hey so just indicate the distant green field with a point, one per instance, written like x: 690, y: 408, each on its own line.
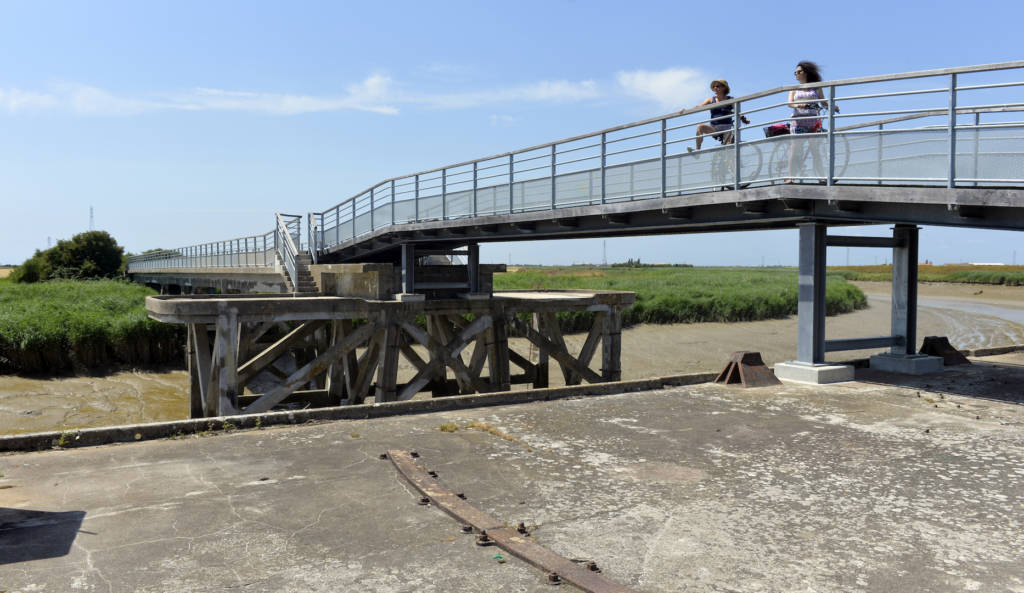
x: 66, y: 324
x: 686, y: 295
x: 964, y: 273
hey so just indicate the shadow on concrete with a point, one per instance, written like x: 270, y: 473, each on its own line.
x: 35, y: 535
x: 997, y: 381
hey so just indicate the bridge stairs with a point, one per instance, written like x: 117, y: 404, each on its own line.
x: 306, y: 283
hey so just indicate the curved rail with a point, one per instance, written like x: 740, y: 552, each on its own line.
x: 915, y: 128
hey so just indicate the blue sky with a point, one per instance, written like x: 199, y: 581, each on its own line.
x: 182, y: 122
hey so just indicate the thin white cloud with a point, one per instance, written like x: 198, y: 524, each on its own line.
x: 88, y: 100
x: 545, y: 91
x: 377, y: 93
x: 369, y: 95
x: 372, y: 94
x: 501, y: 120
x: 674, y: 88
x: 15, y: 100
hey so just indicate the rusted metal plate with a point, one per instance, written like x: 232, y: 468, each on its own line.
x: 748, y: 369
x: 586, y: 576
x: 940, y: 346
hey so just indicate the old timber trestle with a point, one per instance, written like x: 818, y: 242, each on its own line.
x: 250, y: 353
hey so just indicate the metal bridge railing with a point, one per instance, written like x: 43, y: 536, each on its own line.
x: 920, y: 128
x: 956, y: 127
x: 255, y: 251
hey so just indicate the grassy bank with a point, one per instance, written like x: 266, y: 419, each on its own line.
x: 686, y: 295
x: 78, y: 325
x: 960, y: 273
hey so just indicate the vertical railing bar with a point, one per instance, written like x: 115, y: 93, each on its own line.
x: 444, y: 194
x: 738, y: 177
x: 416, y: 199
x: 604, y: 159
x: 881, y: 146
x: 977, y: 144
x: 474, y: 186
x: 392, y: 202
x: 664, y: 147
x: 553, y: 201
x: 632, y: 181
x: 951, y: 181
x: 831, y: 106
x: 372, y: 226
x: 511, y: 174
x: 353, y: 220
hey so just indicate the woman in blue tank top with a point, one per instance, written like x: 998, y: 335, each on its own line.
x: 721, y: 117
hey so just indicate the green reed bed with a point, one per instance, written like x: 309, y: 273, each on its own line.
x: 959, y: 273
x: 686, y: 295
x: 78, y: 325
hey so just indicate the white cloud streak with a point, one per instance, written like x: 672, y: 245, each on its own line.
x: 377, y: 93
x: 674, y: 88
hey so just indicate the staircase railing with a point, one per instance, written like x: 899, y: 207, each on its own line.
x: 312, y: 230
x: 286, y: 235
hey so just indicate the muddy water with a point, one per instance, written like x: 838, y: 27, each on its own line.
x: 34, y: 405
x: 971, y: 316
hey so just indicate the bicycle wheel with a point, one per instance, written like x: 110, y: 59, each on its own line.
x: 842, y: 158
x: 751, y: 160
x: 721, y: 169
x: 778, y: 162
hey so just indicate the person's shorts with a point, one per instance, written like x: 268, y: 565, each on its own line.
x: 719, y: 128
x: 806, y: 126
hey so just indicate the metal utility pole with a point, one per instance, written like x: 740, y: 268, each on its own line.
x: 91, y: 221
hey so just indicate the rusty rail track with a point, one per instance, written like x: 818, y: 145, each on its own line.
x: 491, y: 531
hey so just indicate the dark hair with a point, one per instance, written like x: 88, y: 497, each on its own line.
x: 812, y: 71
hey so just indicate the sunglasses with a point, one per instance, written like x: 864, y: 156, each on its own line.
x: 798, y: 72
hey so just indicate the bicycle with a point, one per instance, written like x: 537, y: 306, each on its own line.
x: 789, y: 157
x: 723, y: 170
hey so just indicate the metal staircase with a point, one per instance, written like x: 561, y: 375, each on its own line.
x: 306, y: 284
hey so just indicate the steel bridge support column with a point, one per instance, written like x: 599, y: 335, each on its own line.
x: 903, y: 357
x: 810, y: 366
x: 473, y: 267
x: 811, y: 295
x: 904, y: 288
x: 409, y: 274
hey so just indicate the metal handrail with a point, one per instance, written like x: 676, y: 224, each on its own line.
x: 626, y: 165
x: 253, y: 251
x: 285, y: 235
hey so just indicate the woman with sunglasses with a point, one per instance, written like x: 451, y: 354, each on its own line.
x: 806, y: 104
x: 721, y: 122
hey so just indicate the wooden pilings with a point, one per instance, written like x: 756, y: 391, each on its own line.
x: 251, y: 354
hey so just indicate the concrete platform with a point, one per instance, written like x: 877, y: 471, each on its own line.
x: 888, y: 483
x: 917, y: 364
x: 816, y: 374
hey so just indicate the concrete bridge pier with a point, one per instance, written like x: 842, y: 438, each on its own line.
x: 810, y: 366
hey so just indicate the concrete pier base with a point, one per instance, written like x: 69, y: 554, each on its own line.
x: 908, y: 364
x: 817, y: 374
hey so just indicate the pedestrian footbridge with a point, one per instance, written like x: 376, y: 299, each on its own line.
x: 934, y: 147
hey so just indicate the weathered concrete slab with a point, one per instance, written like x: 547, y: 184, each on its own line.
x: 861, y: 486
x: 817, y: 374
x: 916, y: 364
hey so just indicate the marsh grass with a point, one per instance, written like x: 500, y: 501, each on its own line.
x: 958, y: 273
x: 81, y: 325
x: 686, y: 295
